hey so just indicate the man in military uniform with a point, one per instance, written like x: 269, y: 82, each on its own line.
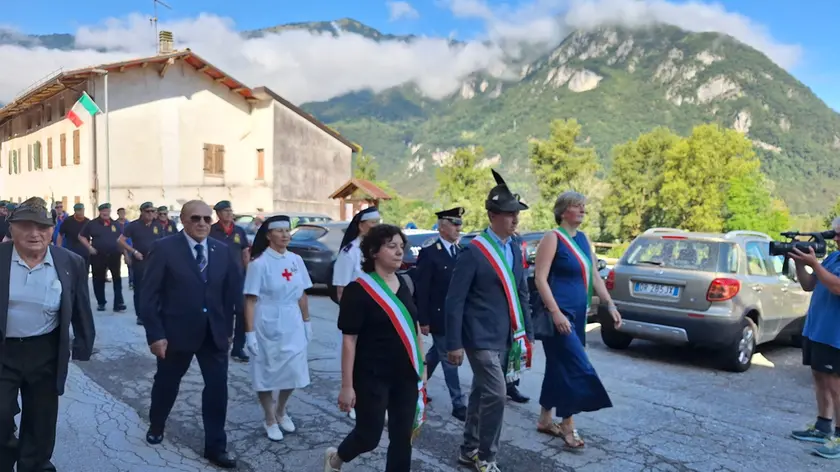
x: 101, y: 237
x: 143, y: 232
x: 226, y: 231
x: 121, y: 223
x: 434, y: 269
x: 169, y: 226
x: 69, y: 230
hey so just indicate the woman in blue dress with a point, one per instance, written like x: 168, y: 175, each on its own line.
x: 566, y: 278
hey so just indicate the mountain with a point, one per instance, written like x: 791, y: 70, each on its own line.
x: 617, y: 83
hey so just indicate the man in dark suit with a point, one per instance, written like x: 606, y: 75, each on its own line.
x: 434, y: 269
x: 191, y: 286
x: 43, y: 291
x: 488, y: 316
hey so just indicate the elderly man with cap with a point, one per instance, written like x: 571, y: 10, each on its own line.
x: 226, y: 231
x: 101, y: 238
x: 68, y: 233
x: 43, y: 291
x: 488, y: 316
x: 169, y: 227
x: 142, y: 232
x: 434, y: 270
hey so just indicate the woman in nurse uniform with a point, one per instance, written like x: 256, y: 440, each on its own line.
x: 277, y: 326
x: 348, y: 264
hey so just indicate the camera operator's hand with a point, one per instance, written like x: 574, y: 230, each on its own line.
x: 809, y: 258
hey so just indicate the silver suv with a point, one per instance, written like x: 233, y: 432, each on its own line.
x: 719, y: 290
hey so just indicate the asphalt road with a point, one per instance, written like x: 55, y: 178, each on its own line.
x: 674, y: 411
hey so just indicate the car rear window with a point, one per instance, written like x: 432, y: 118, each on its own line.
x: 684, y: 254
x: 308, y: 233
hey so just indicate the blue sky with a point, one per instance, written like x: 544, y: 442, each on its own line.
x: 813, y: 28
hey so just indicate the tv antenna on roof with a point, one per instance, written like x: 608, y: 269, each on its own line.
x: 154, y: 20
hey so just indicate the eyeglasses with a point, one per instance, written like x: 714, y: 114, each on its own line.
x: 199, y: 218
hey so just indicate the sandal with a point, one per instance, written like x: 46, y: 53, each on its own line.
x: 572, y: 439
x: 554, y: 430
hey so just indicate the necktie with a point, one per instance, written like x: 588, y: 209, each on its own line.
x: 201, y: 259
x: 453, y: 251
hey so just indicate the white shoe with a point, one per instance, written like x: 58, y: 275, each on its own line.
x: 286, y: 424
x: 331, y: 451
x: 352, y: 414
x: 273, y: 432
x: 484, y: 466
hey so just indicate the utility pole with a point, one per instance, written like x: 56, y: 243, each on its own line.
x: 154, y: 21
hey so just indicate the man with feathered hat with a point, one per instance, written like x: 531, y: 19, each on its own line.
x: 488, y: 318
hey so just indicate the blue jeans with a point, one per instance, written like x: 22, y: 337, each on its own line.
x: 437, y: 355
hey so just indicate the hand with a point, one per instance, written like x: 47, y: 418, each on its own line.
x: 456, y: 357
x: 158, y: 348
x: 809, y: 258
x: 425, y: 375
x: 616, y: 316
x: 307, y: 327
x: 346, y: 399
x: 138, y: 255
x: 251, y: 344
x: 561, y: 322
x: 424, y: 330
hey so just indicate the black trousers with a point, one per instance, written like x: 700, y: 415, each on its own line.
x: 374, y: 396
x: 214, y: 369
x: 101, y: 264
x: 29, y: 366
x: 139, y: 268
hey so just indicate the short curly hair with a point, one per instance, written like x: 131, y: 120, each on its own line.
x: 373, y: 241
x: 564, y: 201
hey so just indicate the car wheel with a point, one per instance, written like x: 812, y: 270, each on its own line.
x: 615, y: 339
x: 738, y: 356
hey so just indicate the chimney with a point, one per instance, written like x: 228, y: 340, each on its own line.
x: 166, y: 45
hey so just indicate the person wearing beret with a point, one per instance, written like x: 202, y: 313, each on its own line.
x: 169, y: 226
x: 226, y: 231
x: 68, y: 233
x: 142, y: 232
x: 101, y: 238
x: 434, y: 270
x: 43, y: 292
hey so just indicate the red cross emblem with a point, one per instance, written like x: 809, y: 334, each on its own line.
x: 287, y: 275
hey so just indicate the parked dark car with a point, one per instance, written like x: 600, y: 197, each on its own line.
x: 318, y: 244
x: 417, y: 240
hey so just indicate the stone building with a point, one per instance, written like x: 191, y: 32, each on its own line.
x: 176, y: 128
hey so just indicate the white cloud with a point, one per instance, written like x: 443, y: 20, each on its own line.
x: 402, y: 11
x: 304, y: 66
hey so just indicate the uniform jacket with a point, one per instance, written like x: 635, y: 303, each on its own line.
x: 74, y: 310
x: 477, y: 315
x: 432, y: 274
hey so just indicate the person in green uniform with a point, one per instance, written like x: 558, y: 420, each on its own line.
x: 142, y: 232
x: 68, y: 233
x: 226, y: 231
x: 101, y: 237
x: 167, y: 224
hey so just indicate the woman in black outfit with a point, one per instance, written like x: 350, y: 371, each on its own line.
x: 379, y: 370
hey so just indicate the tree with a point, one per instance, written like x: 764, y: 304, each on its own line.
x: 461, y: 182
x: 834, y: 212
x: 636, y: 177
x: 749, y: 205
x: 365, y: 168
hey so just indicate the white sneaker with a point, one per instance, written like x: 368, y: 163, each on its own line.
x: 286, y: 424
x: 331, y: 451
x: 485, y: 466
x: 352, y: 414
x: 273, y: 432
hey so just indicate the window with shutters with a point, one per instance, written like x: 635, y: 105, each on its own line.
x: 77, y: 200
x: 16, y: 161
x: 10, y: 161
x: 260, y: 164
x: 62, y: 109
x: 214, y: 159
x: 77, y: 155
x: 49, y: 154
x: 63, y: 149
x: 36, y: 156
x: 48, y: 113
x: 64, y: 203
x: 29, y: 157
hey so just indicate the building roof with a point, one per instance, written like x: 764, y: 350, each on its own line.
x: 365, y: 186
x: 62, y: 80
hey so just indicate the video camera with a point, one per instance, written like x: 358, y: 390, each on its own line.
x: 816, y: 241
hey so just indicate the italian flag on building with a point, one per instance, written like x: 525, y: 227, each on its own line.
x: 82, y: 109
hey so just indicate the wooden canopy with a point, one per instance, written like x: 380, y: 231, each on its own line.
x: 360, y: 193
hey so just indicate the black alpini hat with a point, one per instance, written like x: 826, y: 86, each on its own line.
x: 501, y: 199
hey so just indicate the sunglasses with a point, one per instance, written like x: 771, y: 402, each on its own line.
x: 199, y: 218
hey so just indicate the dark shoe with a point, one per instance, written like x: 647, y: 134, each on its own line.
x: 428, y: 399
x: 516, y: 396
x: 240, y: 358
x: 139, y: 322
x: 131, y: 286
x: 154, y: 436
x: 223, y: 460
x: 460, y: 413
x: 119, y: 308
x: 100, y: 307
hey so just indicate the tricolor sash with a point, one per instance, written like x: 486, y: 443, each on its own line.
x: 519, y: 358
x: 586, y: 266
x: 406, y: 329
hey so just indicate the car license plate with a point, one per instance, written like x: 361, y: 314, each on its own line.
x: 656, y: 289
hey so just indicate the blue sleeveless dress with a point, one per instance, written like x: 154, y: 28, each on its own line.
x: 571, y: 384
